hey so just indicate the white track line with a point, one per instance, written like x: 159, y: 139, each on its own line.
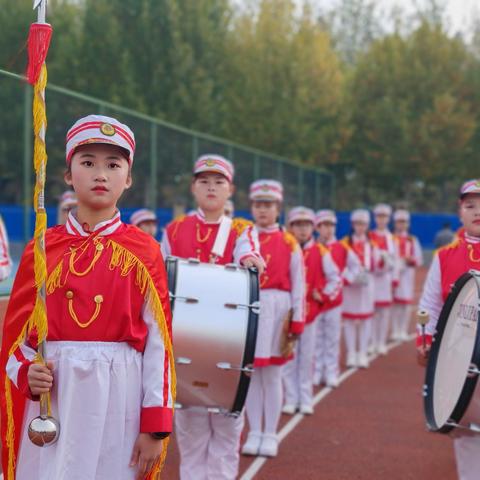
x: 259, y: 462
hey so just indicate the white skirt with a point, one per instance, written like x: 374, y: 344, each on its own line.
x: 274, y: 307
x: 96, y: 397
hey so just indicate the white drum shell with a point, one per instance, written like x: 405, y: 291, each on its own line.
x: 207, y: 333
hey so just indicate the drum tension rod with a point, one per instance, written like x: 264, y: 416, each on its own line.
x: 473, y: 427
x: 473, y: 370
x: 185, y: 299
x: 255, y: 306
x: 228, y: 366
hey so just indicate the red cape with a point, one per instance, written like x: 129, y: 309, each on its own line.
x: 22, y: 301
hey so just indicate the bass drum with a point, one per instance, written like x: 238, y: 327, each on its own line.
x: 451, y: 399
x: 215, y: 315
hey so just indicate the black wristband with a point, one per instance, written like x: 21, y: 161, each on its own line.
x: 159, y: 435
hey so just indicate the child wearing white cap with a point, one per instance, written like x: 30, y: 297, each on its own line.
x: 209, y: 443
x: 409, y: 255
x: 328, y: 329
x: 384, y: 277
x: 323, y: 286
x: 359, y: 296
x: 109, y: 358
x: 448, y: 264
x: 282, y: 289
x: 145, y: 220
x: 68, y: 201
x: 5, y: 260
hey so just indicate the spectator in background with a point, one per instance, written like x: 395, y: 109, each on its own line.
x: 145, y: 220
x: 5, y: 260
x: 444, y: 236
x: 67, y: 202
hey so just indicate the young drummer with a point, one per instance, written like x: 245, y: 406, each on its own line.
x: 409, y: 255
x: 282, y: 289
x: 5, y: 260
x: 67, y: 202
x: 384, y: 278
x: 109, y: 359
x: 209, y: 443
x: 323, y: 285
x: 448, y: 264
x: 145, y: 220
x: 328, y: 330
x: 359, y: 296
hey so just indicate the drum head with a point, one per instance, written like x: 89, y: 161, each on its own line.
x: 448, y: 389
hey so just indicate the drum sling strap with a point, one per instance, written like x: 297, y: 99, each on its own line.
x: 221, y: 239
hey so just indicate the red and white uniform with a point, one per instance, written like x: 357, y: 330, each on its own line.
x: 448, y: 264
x: 282, y: 286
x: 5, y: 260
x: 323, y: 276
x: 328, y: 330
x: 208, y: 443
x: 111, y: 364
x: 359, y: 301
x: 191, y: 236
x: 409, y: 257
x: 383, y: 280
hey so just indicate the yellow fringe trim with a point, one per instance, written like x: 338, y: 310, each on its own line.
x: 126, y: 261
x: 240, y: 225
x: 54, y: 280
x: 290, y: 241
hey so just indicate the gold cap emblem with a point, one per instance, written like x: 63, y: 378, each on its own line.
x: 210, y: 162
x: 107, y: 129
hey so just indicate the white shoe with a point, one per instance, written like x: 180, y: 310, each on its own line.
x: 306, y: 409
x: 372, y: 349
x: 269, y: 445
x: 289, y: 409
x: 395, y: 337
x: 252, y: 445
x: 362, y: 360
x: 332, y: 381
x: 351, y: 360
x: 382, y: 349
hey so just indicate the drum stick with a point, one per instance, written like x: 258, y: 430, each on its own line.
x: 423, y: 317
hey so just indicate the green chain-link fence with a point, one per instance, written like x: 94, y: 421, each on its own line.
x: 163, y: 160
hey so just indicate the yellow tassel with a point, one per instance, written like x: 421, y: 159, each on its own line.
x: 10, y: 435
x: 126, y: 261
x: 54, y: 280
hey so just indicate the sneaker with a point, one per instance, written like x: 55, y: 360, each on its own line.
x: 252, y: 445
x: 362, y: 360
x: 306, y: 409
x: 382, y: 349
x: 372, y: 349
x: 289, y: 409
x: 351, y: 360
x: 403, y: 337
x: 332, y: 381
x: 269, y: 445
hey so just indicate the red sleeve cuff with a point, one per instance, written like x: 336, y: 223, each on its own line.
x: 156, y: 419
x: 22, y: 381
x: 428, y: 340
x: 297, y: 327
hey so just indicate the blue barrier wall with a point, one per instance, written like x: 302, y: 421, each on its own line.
x: 424, y: 225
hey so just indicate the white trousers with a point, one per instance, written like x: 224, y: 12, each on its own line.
x: 298, y: 373
x: 467, y: 455
x: 96, y: 397
x: 357, y: 335
x: 264, y: 399
x: 209, y: 444
x: 400, y: 319
x: 380, y: 326
x: 327, y: 343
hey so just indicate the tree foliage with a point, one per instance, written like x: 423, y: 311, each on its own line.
x: 391, y: 104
